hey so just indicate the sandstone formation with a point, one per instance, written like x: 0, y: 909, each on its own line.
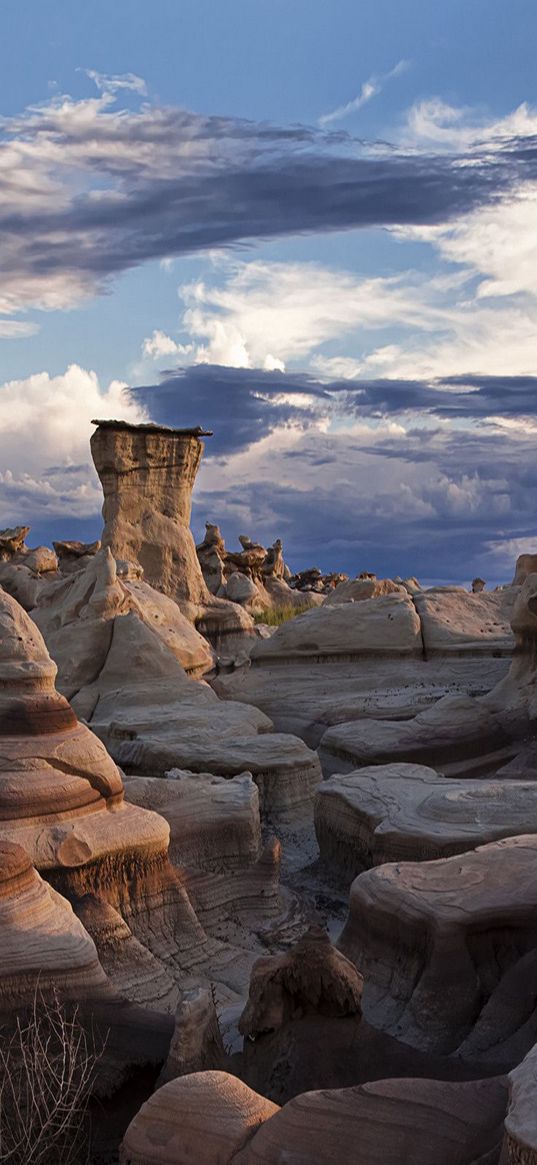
x: 521, y: 1121
x: 311, y: 979
x: 196, y: 1044
x: 387, y: 657
x: 254, y: 577
x: 405, y: 812
x: 457, y: 735
x: 147, y: 473
x: 391, y: 1122
x: 525, y: 564
x: 62, y: 799
x: 215, y: 837
x: 206, y: 1118
x: 285, y: 771
x: 448, y: 951
x: 355, y: 590
x: 82, y: 616
x: 49, y: 956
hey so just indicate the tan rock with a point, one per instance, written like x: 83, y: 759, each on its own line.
x: 357, y: 589
x: 448, y: 951
x: 204, y: 1119
x: 404, y: 812
x: 388, y: 1122
x: 196, y: 1043
x: 384, y: 626
x: 147, y: 473
x: 454, y: 620
x: 525, y: 564
x: 78, y: 618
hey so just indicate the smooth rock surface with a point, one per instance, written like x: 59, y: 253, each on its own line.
x: 403, y: 812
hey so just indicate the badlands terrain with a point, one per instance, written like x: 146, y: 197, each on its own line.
x: 272, y: 838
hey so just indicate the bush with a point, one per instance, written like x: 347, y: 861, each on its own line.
x: 47, y: 1072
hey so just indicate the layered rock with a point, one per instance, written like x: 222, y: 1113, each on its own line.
x: 414, y: 648
x: 454, y: 621
x: 147, y: 473
x: 215, y: 837
x: 457, y: 735
x: 49, y: 959
x: 521, y: 1121
x: 285, y: 771
x: 81, y: 618
x: 206, y: 1118
x: 404, y: 812
x: 62, y: 799
x: 448, y: 951
x: 196, y: 1044
x: 313, y: 978
x: 391, y: 1122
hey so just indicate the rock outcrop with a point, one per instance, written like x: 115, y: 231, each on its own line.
x: 405, y: 812
x: 521, y: 1121
x: 196, y: 1044
x: 215, y: 837
x: 206, y: 1118
x: 62, y: 800
x: 147, y: 473
x: 49, y: 959
x: 220, y: 1121
x: 448, y: 951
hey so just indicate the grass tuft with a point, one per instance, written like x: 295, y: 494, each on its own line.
x: 275, y: 616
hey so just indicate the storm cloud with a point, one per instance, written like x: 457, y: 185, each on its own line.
x: 88, y: 191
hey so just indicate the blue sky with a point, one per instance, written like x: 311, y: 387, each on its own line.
x: 313, y: 195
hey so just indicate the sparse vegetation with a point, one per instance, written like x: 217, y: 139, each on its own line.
x: 275, y: 616
x: 47, y: 1072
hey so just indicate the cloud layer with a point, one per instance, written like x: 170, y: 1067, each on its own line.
x: 88, y: 190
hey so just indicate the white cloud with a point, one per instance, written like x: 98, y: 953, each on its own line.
x: 265, y: 314
x: 116, y: 82
x: 369, y: 89
x: 160, y: 344
x: 45, y: 423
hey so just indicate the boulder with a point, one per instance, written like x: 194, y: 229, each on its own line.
x: 204, y: 1119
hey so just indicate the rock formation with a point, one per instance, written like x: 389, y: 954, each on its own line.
x: 147, y: 473
x: 62, y: 799
x: 414, y: 648
x: 448, y: 951
x: 206, y: 1119
x: 406, y: 812
x: 521, y: 1121
x: 196, y: 1044
x: 311, y: 979
x: 219, y: 1121
x: 48, y: 956
x: 215, y: 837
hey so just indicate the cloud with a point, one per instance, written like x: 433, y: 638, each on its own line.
x: 369, y: 89
x: 115, y: 83
x: 159, y: 344
x: 88, y: 190
x: 398, y: 476
x: 45, y: 426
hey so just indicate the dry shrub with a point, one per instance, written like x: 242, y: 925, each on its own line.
x: 48, y: 1064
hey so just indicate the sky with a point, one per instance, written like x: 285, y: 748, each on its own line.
x: 309, y: 228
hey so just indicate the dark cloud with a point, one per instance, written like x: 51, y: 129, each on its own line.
x: 243, y: 405
x: 429, y: 500
x: 163, y: 182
